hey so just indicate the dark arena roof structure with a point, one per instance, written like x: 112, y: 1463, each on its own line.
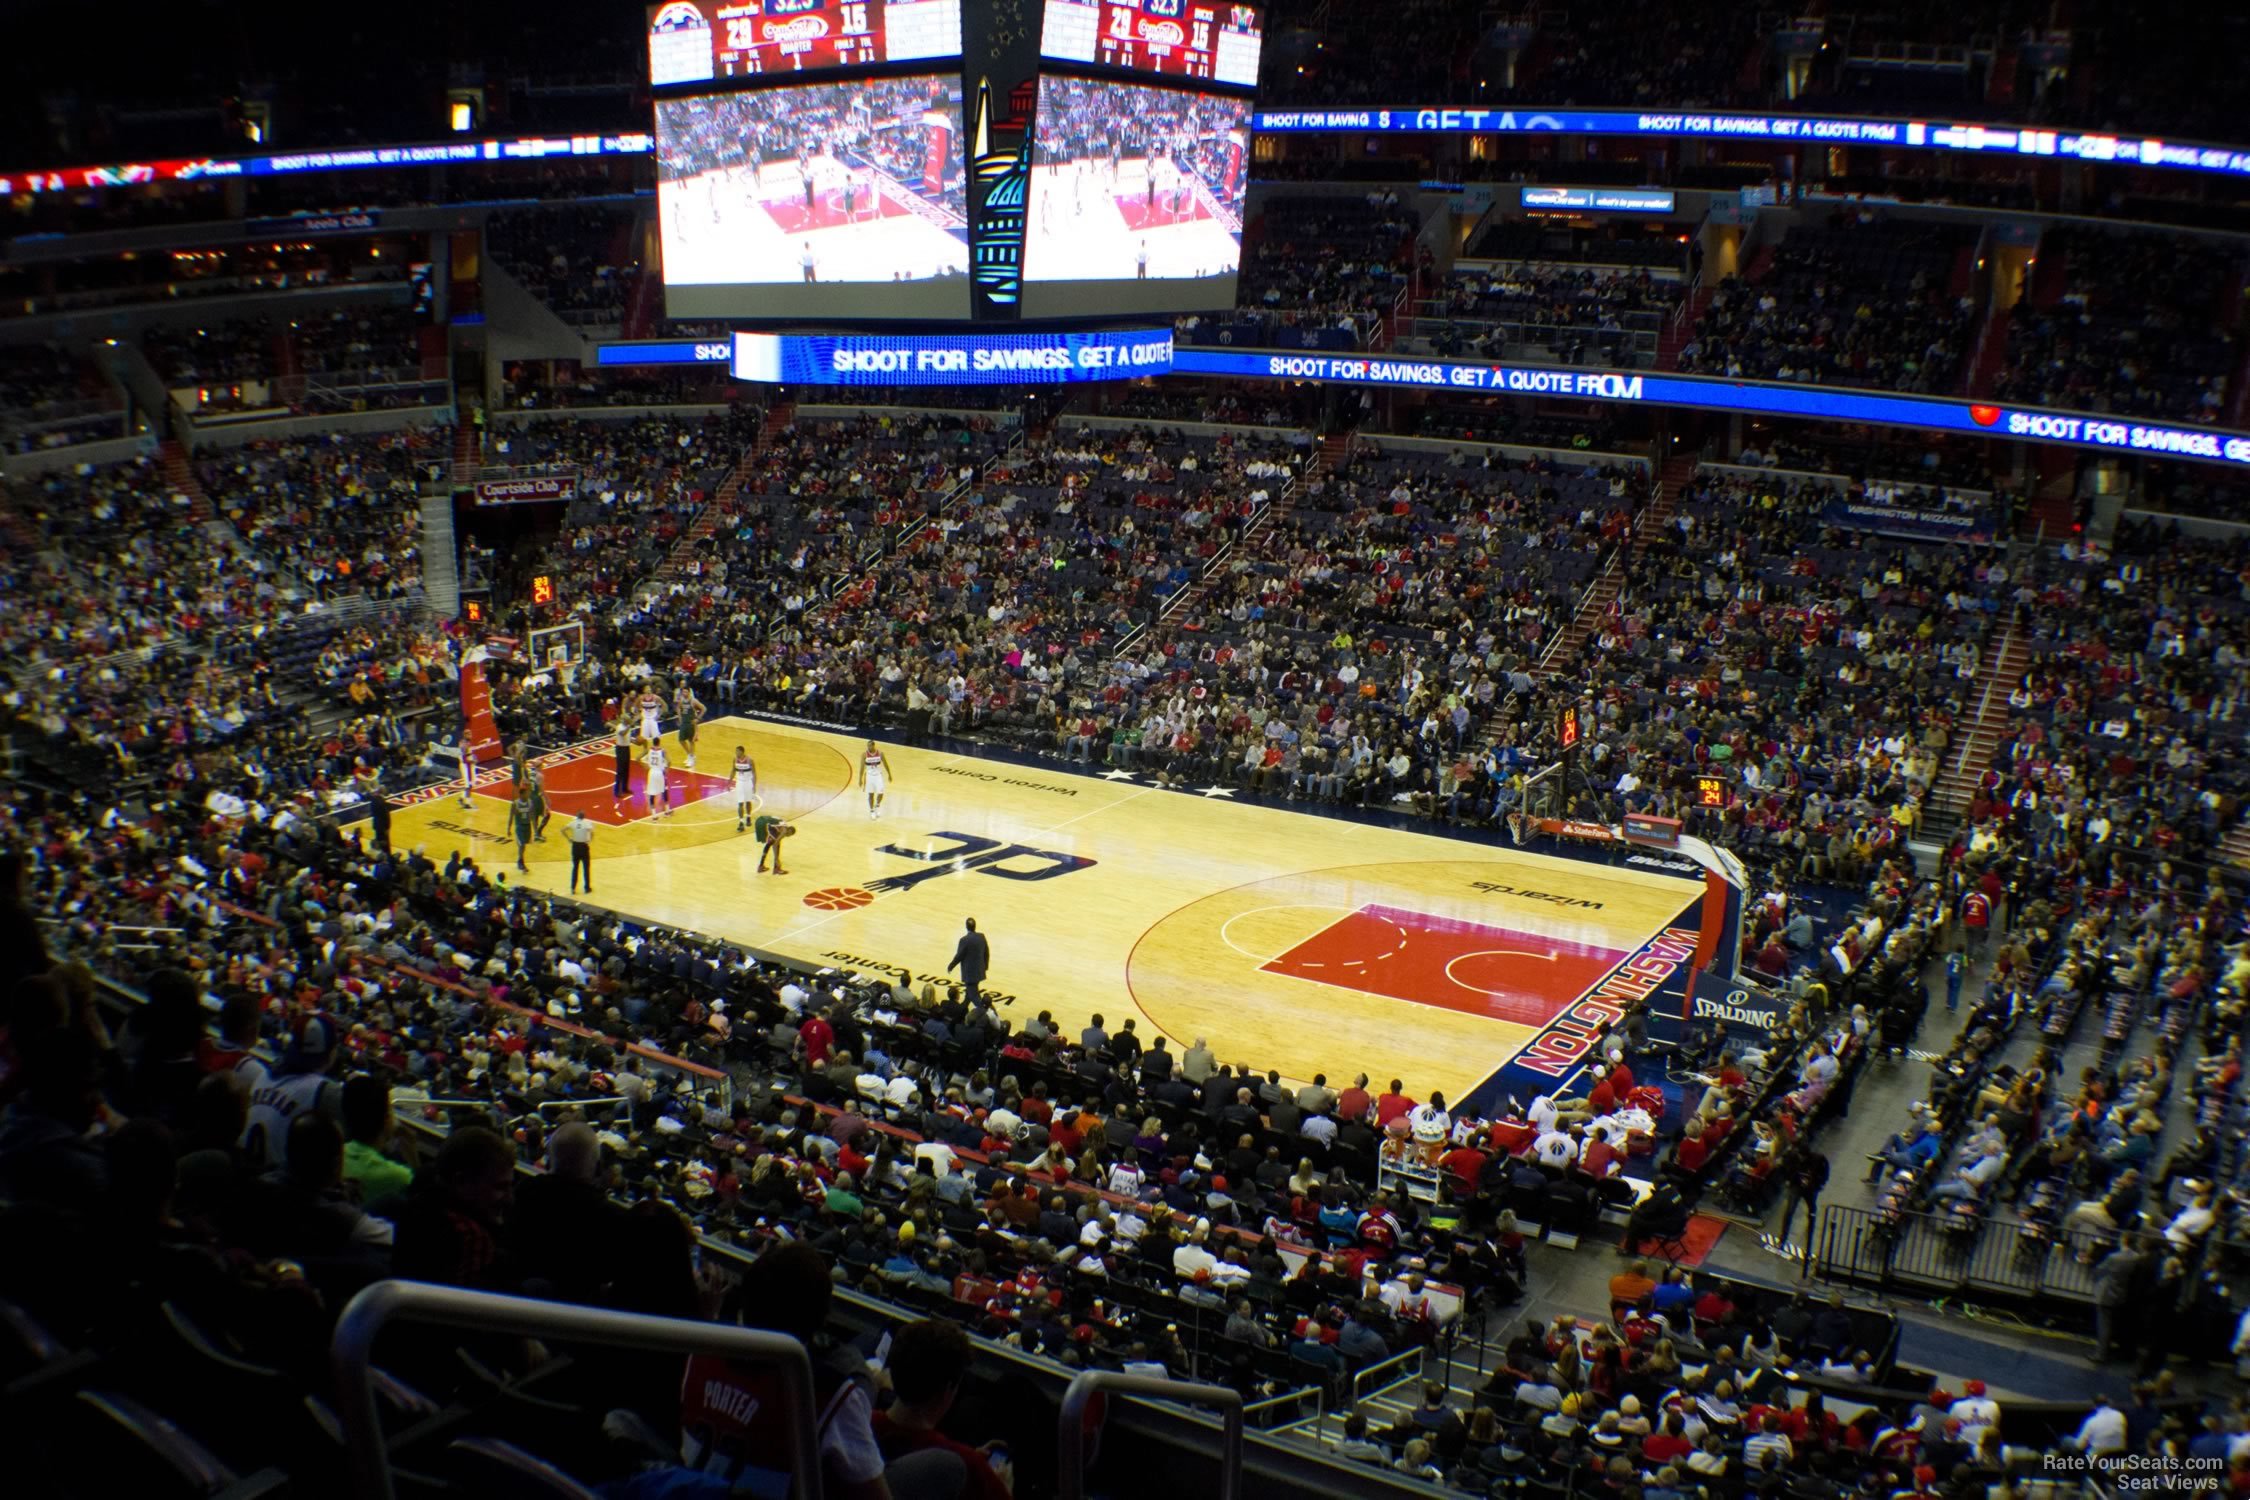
x: 1331, y: 751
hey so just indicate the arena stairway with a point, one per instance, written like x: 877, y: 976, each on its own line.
x: 441, y: 579
x: 1564, y: 648
x: 179, y: 473
x: 1335, y: 452
x: 1680, y: 327
x: 1974, y: 744
x: 676, y: 562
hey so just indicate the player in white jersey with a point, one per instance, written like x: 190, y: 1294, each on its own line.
x: 468, y: 771
x: 745, y: 789
x: 652, y: 706
x: 302, y: 1085
x: 653, y: 766
x: 875, y: 776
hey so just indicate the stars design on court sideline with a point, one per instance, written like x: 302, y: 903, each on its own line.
x: 1205, y: 791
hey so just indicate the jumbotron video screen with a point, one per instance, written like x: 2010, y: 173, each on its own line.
x: 1136, y: 198
x: 840, y: 199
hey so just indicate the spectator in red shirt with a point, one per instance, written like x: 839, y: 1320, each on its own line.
x: 1393, y: 1105
x: 928, y: 1362
x: 1354, y: 1102
x: 818, y: 1038
x: 1466, y: 1164
x: 1693, y: 1150
x: 1669, y: 1444
x: 1599, y: 1158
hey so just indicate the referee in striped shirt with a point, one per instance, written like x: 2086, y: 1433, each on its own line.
x: 580, y: 832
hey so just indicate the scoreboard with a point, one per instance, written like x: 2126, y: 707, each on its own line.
x: 1210, y: 40
x: 699, y: 41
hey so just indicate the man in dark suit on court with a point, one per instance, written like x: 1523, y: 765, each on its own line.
x: 973, y: 957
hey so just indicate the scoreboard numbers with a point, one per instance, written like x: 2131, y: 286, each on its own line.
x: 700, y: 41
x: 1176, y: 38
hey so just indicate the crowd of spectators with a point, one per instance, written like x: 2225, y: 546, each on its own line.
x: 51, y: 398
x: 1097, y: 1201
x: 545, y: 387
x: 578, y: 258
x: 2136, y: 326
x: 368, y: 345
x: 1709, y: 55
x: 1517, y: 241
x: 1860, y: 301
x: 1317, y: 272
x: 1578, y: 315
x: 341, y: 513
x: 110, y: 558
x: 2124, y: 724
x: 1359, y: 635
x: 232, y: 349
x: 1824, y: 676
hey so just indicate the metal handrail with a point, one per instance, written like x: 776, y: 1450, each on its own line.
x: 351, y: 1350
x: 1359, y: 1385
x: 1284, y: 1399
x: 1070, y: 1425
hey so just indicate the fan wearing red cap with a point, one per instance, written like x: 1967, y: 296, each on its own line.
x: 1975, y: 1411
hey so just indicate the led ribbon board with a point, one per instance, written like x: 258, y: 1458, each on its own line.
x: 952, y: 359
x: 1811, y: 130
x: 1710, y: 393
x: 664, y: 352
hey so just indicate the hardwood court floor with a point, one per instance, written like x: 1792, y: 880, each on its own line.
x: 1306, y: 943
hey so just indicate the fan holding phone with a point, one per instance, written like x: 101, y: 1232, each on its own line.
x: 928, y: 1361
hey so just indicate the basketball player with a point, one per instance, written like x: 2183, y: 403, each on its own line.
x: 621, y: 786
x: 808, y: 259
x: 875, y: 776
x: 770, y: 832
x: 535, y: 789
x: 468, y: 771
x: 652, y: 767
x: 745, y: 788
x: 689, y: 710
x: 523, y: 821
x: 652, y: 708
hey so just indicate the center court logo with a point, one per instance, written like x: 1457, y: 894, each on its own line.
x: 964, y: 854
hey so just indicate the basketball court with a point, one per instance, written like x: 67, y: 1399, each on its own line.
x: 1086, y: 225
x: 729, y: 225
x: 1307, y: 943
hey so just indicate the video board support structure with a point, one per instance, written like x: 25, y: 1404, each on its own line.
x: 1000, y: 77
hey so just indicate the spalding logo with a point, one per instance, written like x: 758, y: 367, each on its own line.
x: 1162, y: 33
x: 803, y: 29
